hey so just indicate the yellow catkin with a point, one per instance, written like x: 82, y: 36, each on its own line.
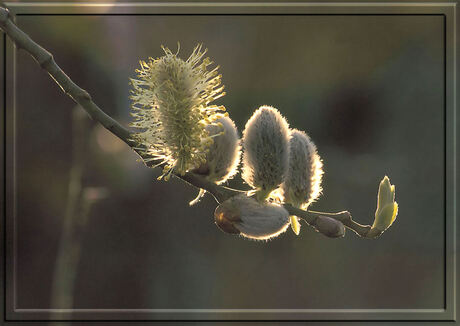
x: 171, y: 106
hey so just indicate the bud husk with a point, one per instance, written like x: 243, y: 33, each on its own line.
x: 329, y: 227
x: 295, y: 224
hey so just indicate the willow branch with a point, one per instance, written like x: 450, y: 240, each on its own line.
x: 46, y: 61
x: 220, y: 193
x: 343, y: 217
x: 330, y: 224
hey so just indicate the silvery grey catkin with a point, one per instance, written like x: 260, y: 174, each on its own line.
x: 223, y: 156
x: 245, y: 216
x: 302, y: 184
x: 266, y: 150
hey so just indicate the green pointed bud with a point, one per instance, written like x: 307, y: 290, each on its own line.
x: 385, y: 195
x: 246, y: 216
x: 387, y: 208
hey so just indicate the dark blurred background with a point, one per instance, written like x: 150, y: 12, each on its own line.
x: 367, y: 89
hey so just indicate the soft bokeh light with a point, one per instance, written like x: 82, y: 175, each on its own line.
x: 108, y: 142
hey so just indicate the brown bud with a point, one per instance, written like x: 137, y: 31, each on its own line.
x: 329, y: 227
x: 225, y: 220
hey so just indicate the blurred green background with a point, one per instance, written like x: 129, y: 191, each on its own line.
x: 367, y: 89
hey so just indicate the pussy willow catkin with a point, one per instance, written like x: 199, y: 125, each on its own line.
x: 172, y: 107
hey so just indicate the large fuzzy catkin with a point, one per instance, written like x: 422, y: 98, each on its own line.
x: 223, y: 156
x: 302, y: 184
x: 171, y: 105
x: 266, y: 150
x: 245, y: 216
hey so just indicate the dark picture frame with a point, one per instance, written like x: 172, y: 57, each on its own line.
x: 449, y: 13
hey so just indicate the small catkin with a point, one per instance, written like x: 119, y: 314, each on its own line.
x: 245, y: 216
x: 302, y: 184
x: 223, y: 156
x: 266, y: 150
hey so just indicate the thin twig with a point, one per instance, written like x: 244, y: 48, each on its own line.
x: 46, y: 61
x: 343, y: 217
x: 220, y: 193
x: 347, y: 220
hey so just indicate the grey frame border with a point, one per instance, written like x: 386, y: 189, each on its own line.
x: 7, y: 201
